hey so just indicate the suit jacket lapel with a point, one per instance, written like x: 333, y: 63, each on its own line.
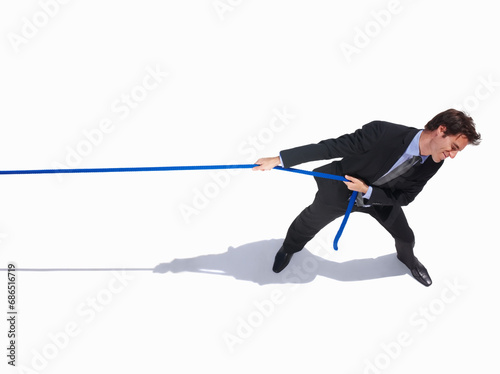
x: 402, y: 144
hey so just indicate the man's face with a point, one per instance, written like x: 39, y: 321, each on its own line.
x: 443, y: 146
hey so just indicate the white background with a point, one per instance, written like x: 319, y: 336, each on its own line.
x: 224, y: 70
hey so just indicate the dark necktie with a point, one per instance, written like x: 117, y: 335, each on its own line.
x: 397, y: 171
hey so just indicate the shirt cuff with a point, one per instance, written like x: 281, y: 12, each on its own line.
x: 368, y: 193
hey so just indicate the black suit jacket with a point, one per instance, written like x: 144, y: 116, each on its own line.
x: 367, y: 154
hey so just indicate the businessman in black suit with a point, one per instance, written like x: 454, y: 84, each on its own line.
x: 388, y: 165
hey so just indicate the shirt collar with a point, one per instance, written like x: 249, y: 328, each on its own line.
x: 413, y: 149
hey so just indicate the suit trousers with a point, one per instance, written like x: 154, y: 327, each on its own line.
x: 330, y: 203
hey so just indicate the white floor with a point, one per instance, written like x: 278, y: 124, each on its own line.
x: 148, y: 272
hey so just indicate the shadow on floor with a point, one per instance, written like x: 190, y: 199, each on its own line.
x: 253, y: 262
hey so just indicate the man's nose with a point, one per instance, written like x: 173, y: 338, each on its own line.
x: 453, y: 154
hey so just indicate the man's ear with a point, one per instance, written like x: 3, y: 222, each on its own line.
x: 442, y: 130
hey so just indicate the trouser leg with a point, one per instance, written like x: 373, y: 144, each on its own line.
x: 400, y: 230
x: 310, y: 221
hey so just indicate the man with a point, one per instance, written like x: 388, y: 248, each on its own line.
x: 388, y: 164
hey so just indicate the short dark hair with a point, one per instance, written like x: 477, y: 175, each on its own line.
x: 456, y: 122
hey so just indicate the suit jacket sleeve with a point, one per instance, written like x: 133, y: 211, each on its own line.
x: 409, y: 189
x: 402, y: 197
x: 356, y: 143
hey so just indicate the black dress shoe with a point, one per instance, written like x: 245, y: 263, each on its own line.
x: 281, y: 260
x: 420, y: 273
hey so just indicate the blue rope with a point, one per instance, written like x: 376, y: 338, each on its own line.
x: 132, y: 169
x: 352, y: 200
x: 198, y: 167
